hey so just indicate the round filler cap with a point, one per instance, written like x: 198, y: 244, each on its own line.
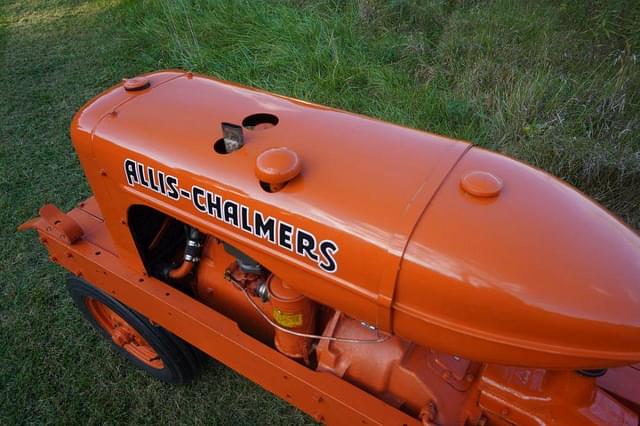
x: 136, y: 83
x: 278, y: 165
x: 481, y: 184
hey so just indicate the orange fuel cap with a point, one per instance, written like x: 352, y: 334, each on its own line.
x: 136, y: 83
x: 481, y: 184
x: 277, y: 166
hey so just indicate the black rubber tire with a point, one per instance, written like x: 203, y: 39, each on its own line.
x: 182, y: 362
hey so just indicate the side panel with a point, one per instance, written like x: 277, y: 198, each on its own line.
x: 82, y: 131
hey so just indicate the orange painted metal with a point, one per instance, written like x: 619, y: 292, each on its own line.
x: 277, y: 166
x: 453, y: 249
x: 481, y: 184
x: 136, y: 83
x: 215, y: 291
x: 370, y: 240
x: 58, y: 223
x: 181, y: 271
x: 526, y: 396
x: 293, y: 311
x: 326, y: 397
x: 449, y: 390
x: 527, y: 277
x: 624, y: 383
x: 538, y: 275
x: 402, y: 374
x: 393, y: 375
x: 123, y: 334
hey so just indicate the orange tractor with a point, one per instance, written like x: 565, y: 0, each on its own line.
x: 364, y: 272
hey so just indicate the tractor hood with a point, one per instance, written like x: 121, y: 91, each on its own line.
x: 523, y: 268
x: 373, y: 220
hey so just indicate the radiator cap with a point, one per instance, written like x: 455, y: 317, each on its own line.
x: 481, y: 184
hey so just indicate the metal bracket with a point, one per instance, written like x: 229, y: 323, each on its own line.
x: 60, y: 225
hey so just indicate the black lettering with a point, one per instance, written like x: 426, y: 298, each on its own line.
x: 172, y: 187
x: 244, y: 219
x: 214, y: 205
x: 141, y: 175
x: 197, y: 193
x: 264, y: 228
x: 152, y: 179
x: 284, y: 235
x: 231, y: 213
x: 163, y: 191
x: 328, y: 249
x: 306, y: 244
x: 130, y: 171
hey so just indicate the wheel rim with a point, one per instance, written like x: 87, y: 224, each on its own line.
x: 123, y: 334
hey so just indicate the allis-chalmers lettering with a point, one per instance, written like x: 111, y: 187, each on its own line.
x: 273, y: 230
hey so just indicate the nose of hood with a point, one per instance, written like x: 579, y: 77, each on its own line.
x: 509, y: 264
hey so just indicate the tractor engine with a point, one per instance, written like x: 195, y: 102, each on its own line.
x: 365, y: 272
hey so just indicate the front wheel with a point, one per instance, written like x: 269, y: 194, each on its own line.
x: 149, y: 347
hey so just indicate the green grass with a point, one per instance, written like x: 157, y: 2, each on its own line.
x: 556, y: 84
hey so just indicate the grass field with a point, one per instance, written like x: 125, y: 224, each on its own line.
x: 554, y: 83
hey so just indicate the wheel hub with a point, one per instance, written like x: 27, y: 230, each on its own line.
x: 124, y: 334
